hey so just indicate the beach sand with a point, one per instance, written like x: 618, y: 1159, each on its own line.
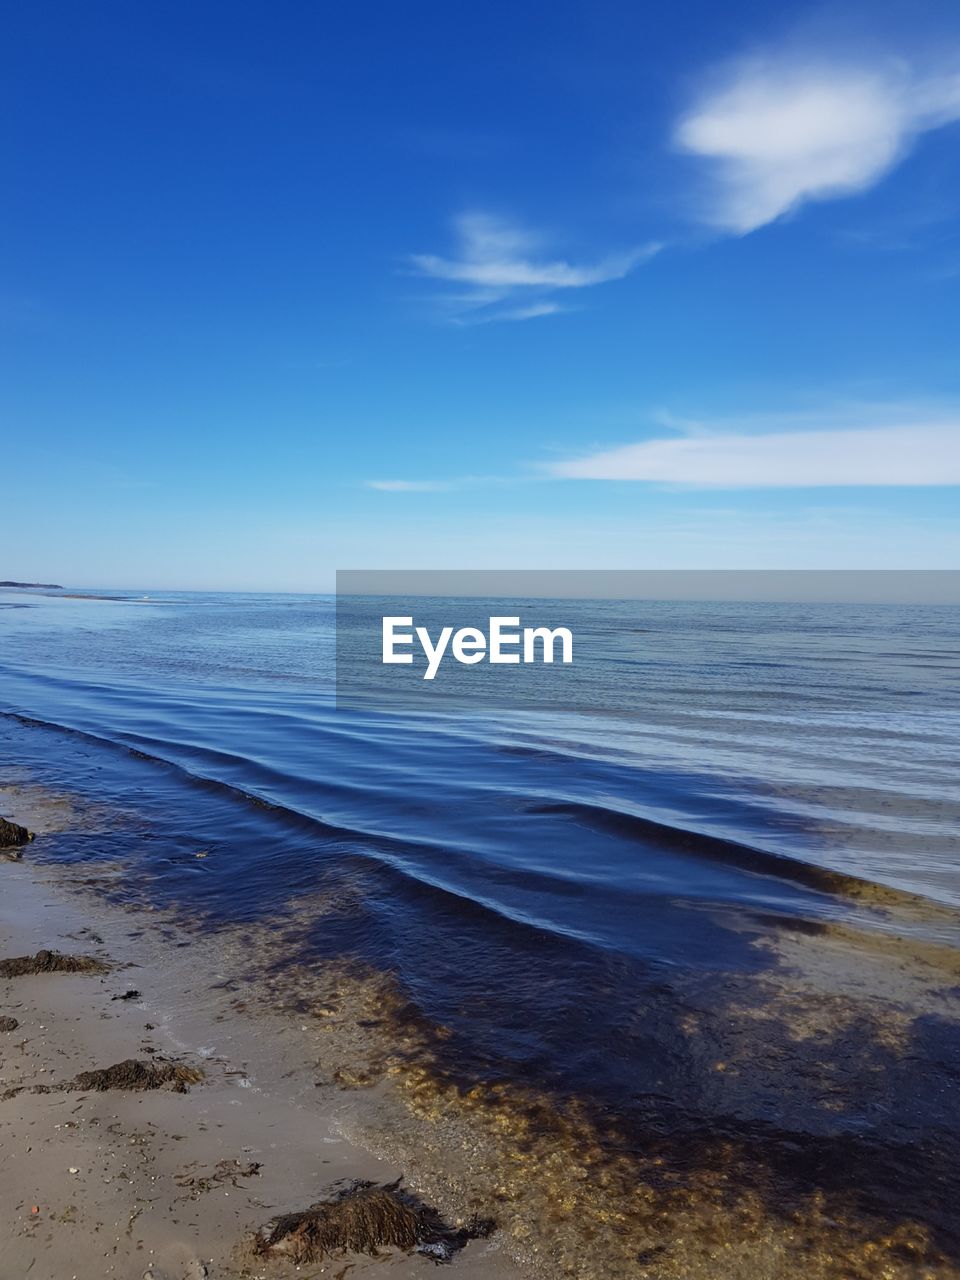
x: 158, y: 1184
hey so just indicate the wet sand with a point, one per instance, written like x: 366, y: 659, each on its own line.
x: 158, y: 1184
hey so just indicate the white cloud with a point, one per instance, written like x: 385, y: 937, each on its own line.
x: 924, y: 452
x: 778, y: 131
x: 407, y: 486
x: 531, y: 311
x: 500, y: 261
x: 495, y: 255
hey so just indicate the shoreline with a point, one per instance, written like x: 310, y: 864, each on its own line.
x: 336, y: 1069
x: 143, y: 1184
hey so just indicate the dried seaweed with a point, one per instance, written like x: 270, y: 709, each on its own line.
x: 134, y: 1074
x: 365, y: 1218
x: 50, y: 962
x: 224, y: 1171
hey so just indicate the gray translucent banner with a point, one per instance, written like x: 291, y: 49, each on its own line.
x: 604, y: 641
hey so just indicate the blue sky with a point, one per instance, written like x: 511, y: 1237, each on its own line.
x: 294, y: 288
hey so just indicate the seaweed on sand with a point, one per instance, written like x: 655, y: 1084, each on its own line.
x: 224, y: 1171
x: 50, y: 962
x: 134, y: 1074
x: 363, y: 1218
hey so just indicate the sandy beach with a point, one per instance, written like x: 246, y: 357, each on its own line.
x: 159, y: 1184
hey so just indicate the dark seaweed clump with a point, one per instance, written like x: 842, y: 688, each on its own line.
x: 12, y: 835
x: 364, y: 1218
x: 50, y: 962
x: 134, y: 1074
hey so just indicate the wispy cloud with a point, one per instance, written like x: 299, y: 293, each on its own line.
x: 530, y: 311
x: 495, y: 255
x: 781, y: 130
x: 501, y: 262
x: 408, y: 486
x: 923, y: 451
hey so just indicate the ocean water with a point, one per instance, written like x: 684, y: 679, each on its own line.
x: 737, y: 806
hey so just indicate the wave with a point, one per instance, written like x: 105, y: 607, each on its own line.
x: 401, y: 852
x: 745, y: 857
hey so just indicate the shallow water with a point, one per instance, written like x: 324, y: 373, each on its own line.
x: 718, y: 908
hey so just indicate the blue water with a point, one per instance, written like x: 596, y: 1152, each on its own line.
x: 561, y: 888
x: 824, y: 734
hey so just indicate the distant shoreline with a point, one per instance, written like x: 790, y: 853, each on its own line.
x: 40, y: 588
